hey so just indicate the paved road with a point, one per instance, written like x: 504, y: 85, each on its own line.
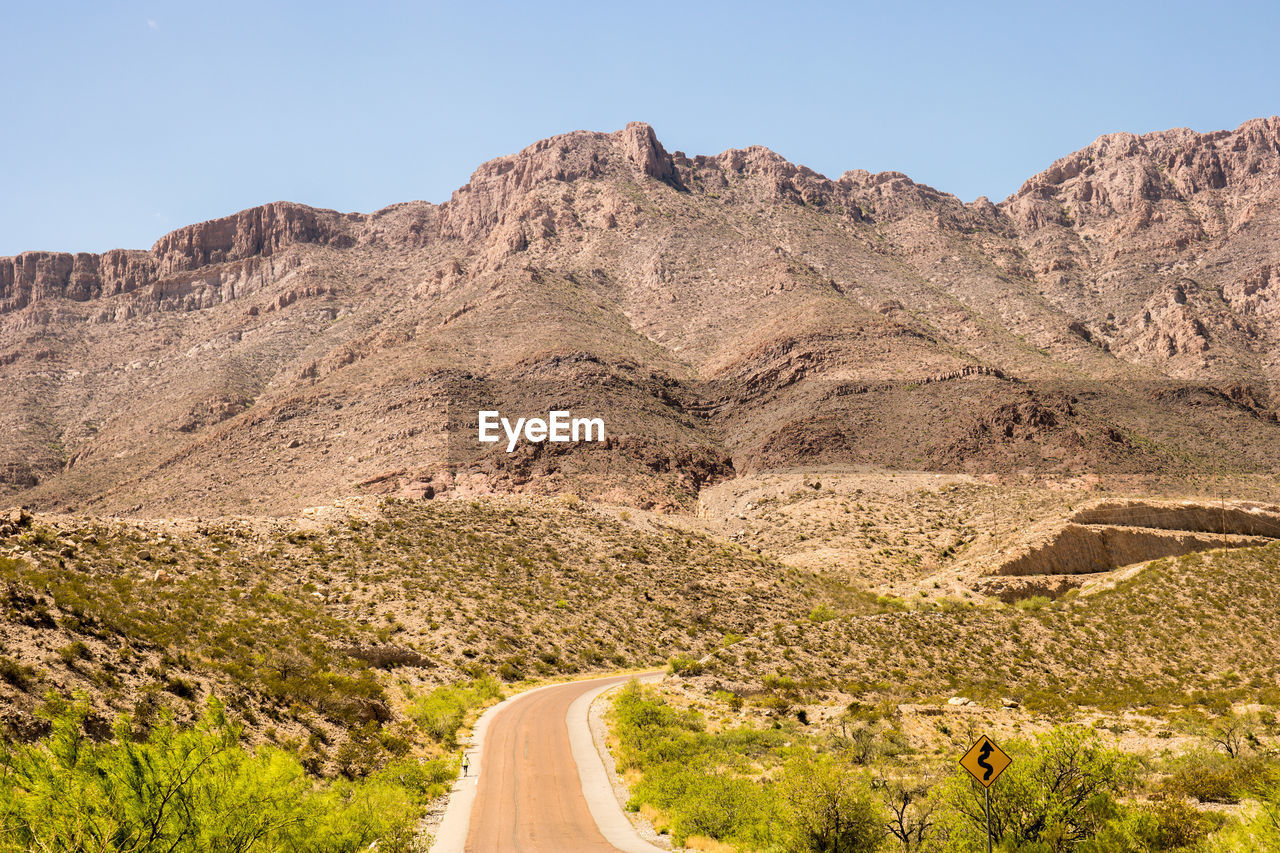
x: 529, y: 795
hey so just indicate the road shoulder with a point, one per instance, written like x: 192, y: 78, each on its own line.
x: 597, y: 786
x: 621, y: 793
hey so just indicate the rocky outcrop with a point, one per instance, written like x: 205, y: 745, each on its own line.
x: 645, y: 151
x: 255, y: 233
x: 1113, y: 534
x: 1079, y: 549
x: 1124, y: 177
x: 1242, y: 519
x: 259, y: 231
x: 36, y: 276
x: 1017, y: 588
x: 1162, y: 245
x: 498, y: 190
x: 1257, y: 294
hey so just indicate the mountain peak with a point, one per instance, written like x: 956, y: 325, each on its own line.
x: 645, y: 151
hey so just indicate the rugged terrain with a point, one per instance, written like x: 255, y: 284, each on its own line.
x: 325, y: 627
x: 869, y: 447
x: 725, y: 315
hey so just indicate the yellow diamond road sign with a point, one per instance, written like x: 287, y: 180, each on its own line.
x: 985, y: 761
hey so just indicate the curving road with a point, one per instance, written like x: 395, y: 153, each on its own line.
x: 537, y: 784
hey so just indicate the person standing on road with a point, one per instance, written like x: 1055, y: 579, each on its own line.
x: 466, y: 762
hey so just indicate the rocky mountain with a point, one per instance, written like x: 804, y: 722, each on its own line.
x: 1120, y: 313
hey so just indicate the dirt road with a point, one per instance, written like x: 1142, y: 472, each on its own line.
x: 529, y: 795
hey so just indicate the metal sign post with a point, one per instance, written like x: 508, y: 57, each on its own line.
x: 985, y: 762
x: 988, y: 790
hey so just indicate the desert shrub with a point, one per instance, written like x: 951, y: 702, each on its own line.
x: 733, y: 700
x: 346, y: 699
x: 911, y: 811
x: 1234, y: 734
x: 700, y: 802
x: 15, y: 673
x: 1208, y: 777
x: 511, y: 669
x: 426, y: 779
x: 444, y: 710
x: 1166, y: 824
x: 829, y: 807
x: 698, y: 780
x: 188, y: 789
x: 822, y: 613
x: 181, y: 687
x: 74, y: 652
x: 650, y: 732
x: 1258, y: 832
x: 684, y: 665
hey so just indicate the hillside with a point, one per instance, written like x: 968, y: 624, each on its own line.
x: 725, y: 315
x: 1156, y: 639
x: 320, y: 632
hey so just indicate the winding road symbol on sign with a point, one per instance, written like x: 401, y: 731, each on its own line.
x: 985, y: 761
x: 987, y: 769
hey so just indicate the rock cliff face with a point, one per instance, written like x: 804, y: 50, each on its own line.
x: 498, y: 188
x: 37, y: 276
x: 727, y: 312
x: 1160, y: 244
x: 494, y: 196
x: 258, y: 232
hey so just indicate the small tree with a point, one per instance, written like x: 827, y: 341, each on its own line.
x: 830, y: 808
x: 911, y: 811
x: 1232, y: 733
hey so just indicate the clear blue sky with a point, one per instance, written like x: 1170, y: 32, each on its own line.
x: 124, y: 120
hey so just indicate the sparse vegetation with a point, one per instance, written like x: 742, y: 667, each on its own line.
x: 1153, y: 641
x: 335, y: 636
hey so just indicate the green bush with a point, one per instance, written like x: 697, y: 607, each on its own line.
x: 822, y: 613
x: 696, y: 778
x: 444, y: 710
x: 1208, y: 777
x: 189, y: 789
x: 830, y: 808
x: 1256, y: 833
x: 683, y: 665
x: 73, y: 652
x: 700, y: 802
x: 18, y: 674
x: 1165, y: 824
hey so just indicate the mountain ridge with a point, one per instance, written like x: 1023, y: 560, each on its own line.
x: 729, y: 312
x: 645, y: 150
